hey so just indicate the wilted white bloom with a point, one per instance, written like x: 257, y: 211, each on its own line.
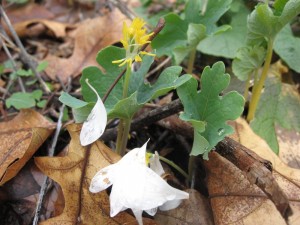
x: 136, y: 186
x: 95, y: 124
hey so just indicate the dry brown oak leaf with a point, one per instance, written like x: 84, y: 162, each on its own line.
x: 19, y: 140
x: 90, y: 37
x: 74, y: 173
x: 235, y: 200
x: 287, y: 178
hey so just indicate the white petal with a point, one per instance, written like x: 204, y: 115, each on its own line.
x: 151, y: 212
x: 103, y: 179
x: 170, y: 205
x: 116, y: 205
x: 138, y: 216
x: 142, y: 188
x: 155, y: 164
x: 95, y: 124
x: 137, y: 155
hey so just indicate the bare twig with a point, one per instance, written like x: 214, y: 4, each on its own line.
x: 25, y: 57
x: 162, y: 64
x: 160, y: 25
x: 147, y: 118
x: 14, y: 67
x: 123, y: 8
x: 50, y: 153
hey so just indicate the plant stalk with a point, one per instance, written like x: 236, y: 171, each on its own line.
x: 191, y: 61
x: 124, y: 126
x: 246, y: 91
x: 174, y: 165
x: 258, y: 88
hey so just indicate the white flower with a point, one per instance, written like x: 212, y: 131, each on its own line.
x: 95, y: 124
x: 136, y: 186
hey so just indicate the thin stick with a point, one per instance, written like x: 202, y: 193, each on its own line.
x: 25, y: 57
x: 147, y: 118
x: 50, y: 153
x: 14, y: 67
x: 162, y: 64
x: 160, y: 25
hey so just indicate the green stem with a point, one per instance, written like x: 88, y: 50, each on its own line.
x: 119, y: 137
x: 192, y: 163
x: 260, y: 84
x: 124, y: 125
x: 124, y: 140
x: 191, y: 61
x: 172, y: 164
x: 246, y: 91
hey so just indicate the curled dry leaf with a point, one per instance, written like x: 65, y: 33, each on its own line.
x: 80, y: 204
x: 19, y: 139
x: 56, y: 29
x: 90, y: 36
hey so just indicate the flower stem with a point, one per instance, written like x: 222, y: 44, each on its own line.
x: 258, y: 88
x: 124, y: 140
x: 247, y: 87
x: 124, y: 125
x: 191, y: 61
x: 192, y: 167
x: 172, y: 164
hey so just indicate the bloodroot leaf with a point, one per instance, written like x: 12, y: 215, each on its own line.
x: 207, y: 110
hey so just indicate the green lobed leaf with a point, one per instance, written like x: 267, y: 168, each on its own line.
x: 195, y: 33
x: 101, y: 81
x: 287, y: 46
x: 279, y: 105
x: 248, y: 60
x: 264, y: 24
x: 214, y: 10
x: 137, y: 77
x: 168, y: 80
x: 173, y: 35
x: 210, y: 109
x: 70, y: 101
x: 185, y: 35
x: 227, y: 43
x: 21, y: 100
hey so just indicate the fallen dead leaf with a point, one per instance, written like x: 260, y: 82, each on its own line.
x: 28, y: 12
x: 288, y: 178
x: 80, y: 204
x: 90, y: 37
x: 195, y: 210
x: 234, y: 199
x: 19, y: 139
x: 289, y: 142
x: 35, y: 27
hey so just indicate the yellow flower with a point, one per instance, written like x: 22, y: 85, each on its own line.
x: 134, y: 37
